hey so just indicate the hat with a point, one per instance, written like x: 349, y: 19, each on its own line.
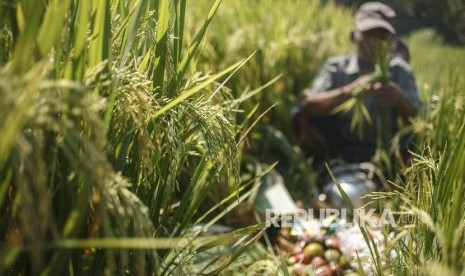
x: 373, y: 15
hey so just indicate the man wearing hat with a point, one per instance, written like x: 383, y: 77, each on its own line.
x: 328, y: 135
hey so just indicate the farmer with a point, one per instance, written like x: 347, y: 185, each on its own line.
x: 327, y: 135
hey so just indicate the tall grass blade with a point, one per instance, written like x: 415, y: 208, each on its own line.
x: 370, y: 243
x: 191, y: 51
x: 23, y: 58
x: 100, y: 45
x: 179, y: 30
x: 161, y: 47
x: 52, y: 25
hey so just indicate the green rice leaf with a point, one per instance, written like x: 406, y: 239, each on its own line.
x: 52, y: 25
x: 23, y: 59
x: 100, y: 45
x: 161, y: 47
x: 192, y: 50
x: 179, y: 30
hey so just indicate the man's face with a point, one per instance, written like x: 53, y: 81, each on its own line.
x: 368, y: 41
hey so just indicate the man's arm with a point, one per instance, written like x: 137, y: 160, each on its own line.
x: 320, y: 104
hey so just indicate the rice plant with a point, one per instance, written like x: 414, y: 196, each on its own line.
x: 111, y: 139
x: 434, y: 185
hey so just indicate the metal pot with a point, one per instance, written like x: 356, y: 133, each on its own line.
x: 357, y: 180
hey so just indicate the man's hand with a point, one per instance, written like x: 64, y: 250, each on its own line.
x: 363, y: 80
x: 391, y: 95
x: 387, y: 95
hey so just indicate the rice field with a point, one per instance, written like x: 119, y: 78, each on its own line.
x: 130, y: 127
